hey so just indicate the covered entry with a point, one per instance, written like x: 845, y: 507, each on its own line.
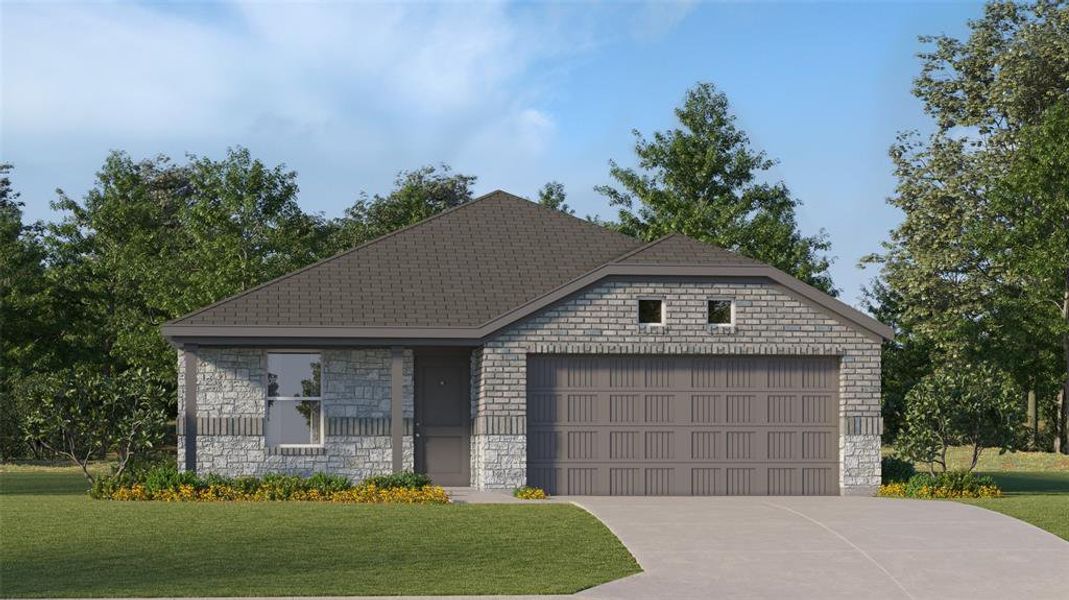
x: 683, y: 425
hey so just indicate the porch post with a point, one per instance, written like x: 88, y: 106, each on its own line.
x: 190, y: 416
x: 397, y: 423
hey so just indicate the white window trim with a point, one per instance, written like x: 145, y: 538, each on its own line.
x: 664, y: 312
x: 322, y: 382
x: 727, y: 325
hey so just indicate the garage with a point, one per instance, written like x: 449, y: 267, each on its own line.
x: 683, y: 425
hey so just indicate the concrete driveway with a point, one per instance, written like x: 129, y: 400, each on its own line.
x: 828, y: 548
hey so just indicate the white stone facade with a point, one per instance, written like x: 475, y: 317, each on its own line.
x: 231, y: 382
x: 356, y: 387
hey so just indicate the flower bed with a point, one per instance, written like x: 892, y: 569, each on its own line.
x: 951, y: 484
x: 171, y: 485
x: 530, y: 493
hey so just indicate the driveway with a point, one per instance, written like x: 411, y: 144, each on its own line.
x: 827, y: 548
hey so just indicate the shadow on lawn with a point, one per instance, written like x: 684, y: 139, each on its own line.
x: 42, y: 484
x: 1032, y: 482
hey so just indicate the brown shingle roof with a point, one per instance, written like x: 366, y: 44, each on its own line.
x: 676, y: 249
x: 460, y: 268
x: 462, y: 275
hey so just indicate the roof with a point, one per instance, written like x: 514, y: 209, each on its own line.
x: 463, y: 274
x: 509, y: 249
x: 677, y: 249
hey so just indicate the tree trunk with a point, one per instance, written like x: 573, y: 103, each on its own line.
x: 1061, y: 438
x: 1033, y: 419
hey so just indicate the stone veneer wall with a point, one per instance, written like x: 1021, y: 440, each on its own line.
x: 231, y: 404
x: 602, y: 320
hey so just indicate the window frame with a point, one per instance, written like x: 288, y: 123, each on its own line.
x: 267, y: 398
x: 638, y: 311
x: 731, y: 306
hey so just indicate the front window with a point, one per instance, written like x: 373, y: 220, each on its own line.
x: 294, y: 407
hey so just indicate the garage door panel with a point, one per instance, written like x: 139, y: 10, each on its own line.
x: 623, y: 408
x: 661, y: 479
x: 658, y: 408
x: 703, y: 408
x: 581, y: 408
x: 542, y: 408
x: 670, y: 425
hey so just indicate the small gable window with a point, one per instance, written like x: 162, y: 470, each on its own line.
x: 721, y: 312
x: 650, y: 311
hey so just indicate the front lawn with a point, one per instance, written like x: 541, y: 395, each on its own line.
x: 57, y: 542
x: 1039, y: 498
x: 992, y: 461
x: 1036, y: 485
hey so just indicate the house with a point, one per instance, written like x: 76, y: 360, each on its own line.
x: 503, y: 343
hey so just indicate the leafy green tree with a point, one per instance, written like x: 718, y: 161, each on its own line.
x: 417, y: 194
x: 552, y: 195
x: 952, y: 265
x: 80, y: 414
x: 1032, y: 228
x: 702, y: 179
x: 26, y: 324
x: 971, y: 405
x: 153, y: 240
x: 905, y: 359
x: 242, y: 226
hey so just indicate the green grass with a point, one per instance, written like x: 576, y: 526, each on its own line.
x: 57, y: 542
x: 991, y: 460
x: 1039, y: 498
x: 1036, y: 485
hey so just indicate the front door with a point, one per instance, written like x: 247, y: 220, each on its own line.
x: 443, y: 409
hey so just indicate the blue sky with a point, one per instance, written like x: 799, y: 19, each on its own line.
x: 347, y: 94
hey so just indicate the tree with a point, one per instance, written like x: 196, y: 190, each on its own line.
x: 701, y: 179
x: 953, y: 265
x: 81, y: 414
x: 552, y: 195
x: 26, y: 326
x: 153, y: 240
x: 1032, y: 206
x: 973, y: 405
x: 417, y: 194
x: 905, y: 360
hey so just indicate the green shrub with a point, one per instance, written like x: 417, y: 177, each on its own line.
x: 404, y: 479
x: 530, y: 493
x: 246, y: 485
x: 280, y: 487
x: 167, y: 477
x: 950, y: 484
x: 218, y: 480
x: 896, y: 470
x: 104, y: 487
x: 168, y: 483
x: 326, y: 483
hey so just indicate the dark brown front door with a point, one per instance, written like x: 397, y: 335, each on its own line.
x: 443, y: 410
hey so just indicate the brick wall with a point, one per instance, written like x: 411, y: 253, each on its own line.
x: 602, y: 320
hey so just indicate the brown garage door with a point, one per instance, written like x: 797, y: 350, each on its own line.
x: 682, y: 425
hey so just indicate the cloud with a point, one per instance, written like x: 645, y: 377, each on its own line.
x: 655, y: 19
x: 84, y: 68
x: 346, y: 86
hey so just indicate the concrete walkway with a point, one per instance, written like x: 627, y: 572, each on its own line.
x: 828, y: 548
